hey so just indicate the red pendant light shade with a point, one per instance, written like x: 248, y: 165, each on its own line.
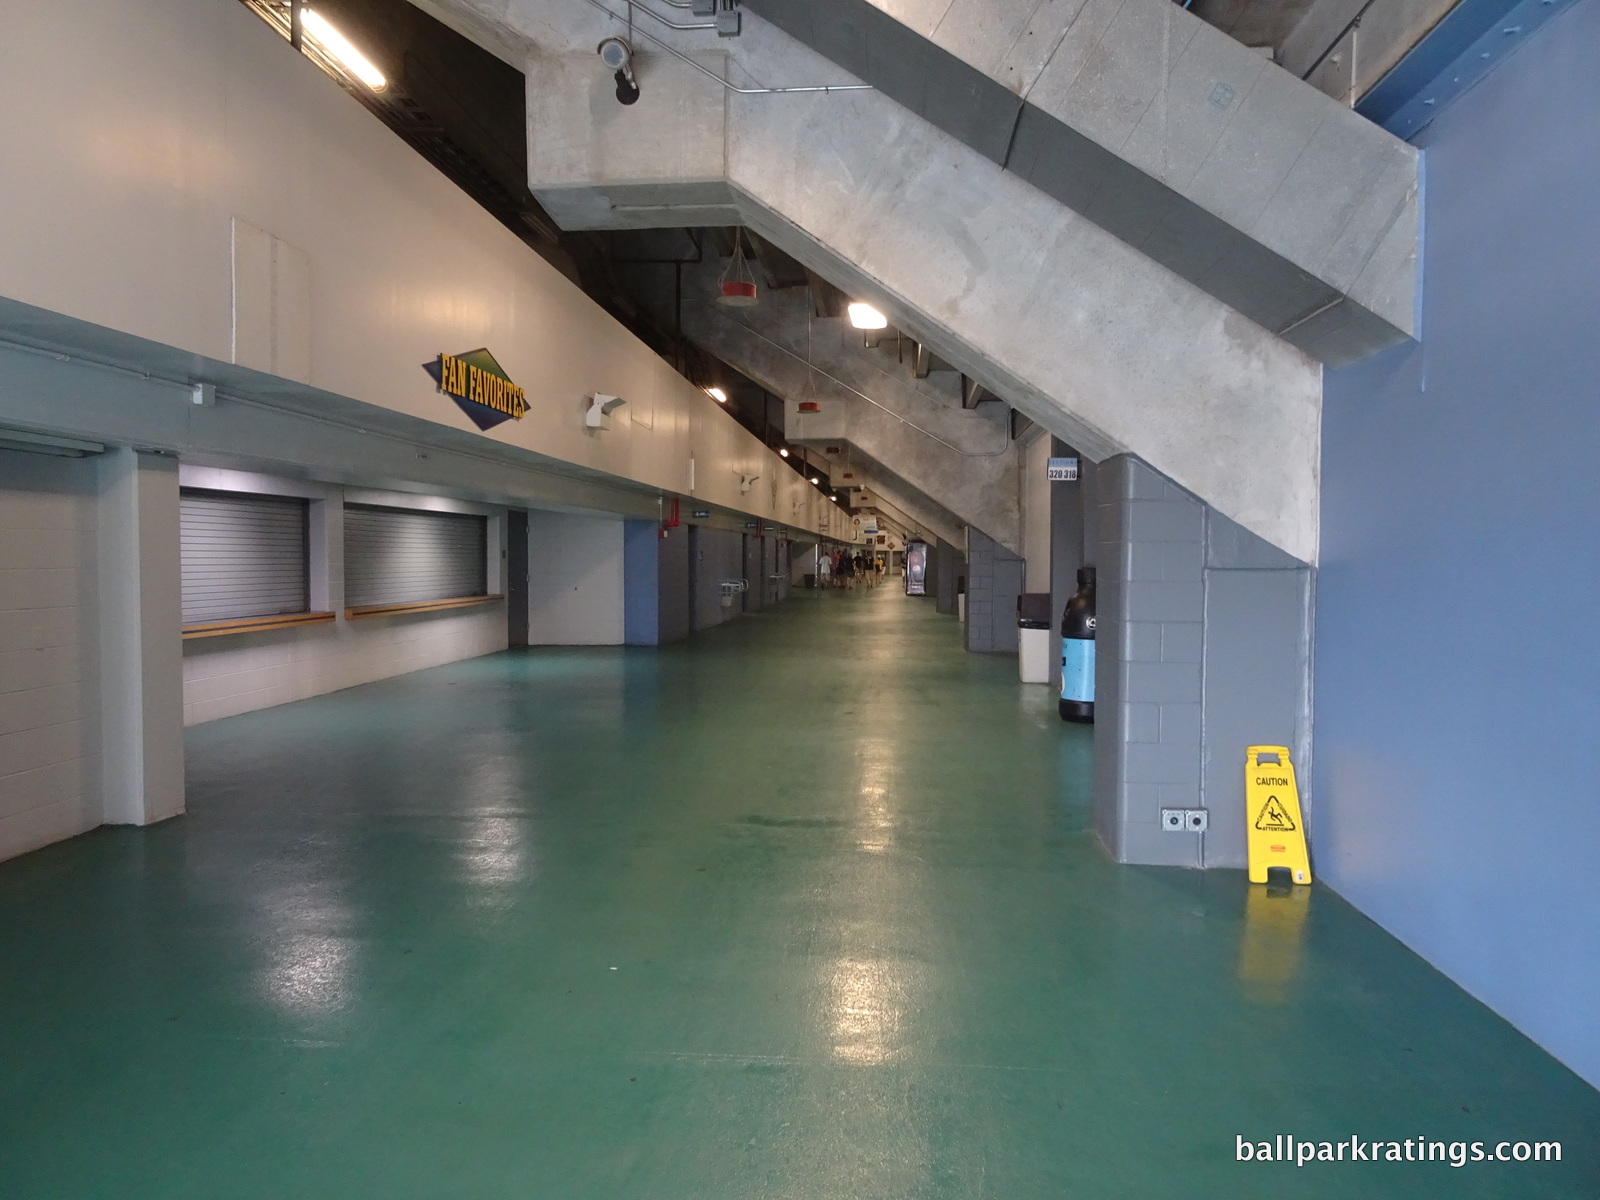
x: 736, y: 286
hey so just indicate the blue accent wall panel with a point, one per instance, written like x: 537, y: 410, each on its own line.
x: 1457, y: 773
x: 641, y: 572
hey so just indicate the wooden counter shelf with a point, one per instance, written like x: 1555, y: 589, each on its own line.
x: 421, y: 606
x: 255, y: 624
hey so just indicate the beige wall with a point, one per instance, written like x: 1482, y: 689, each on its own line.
x: 1035, y: 507
x: 132, y: 213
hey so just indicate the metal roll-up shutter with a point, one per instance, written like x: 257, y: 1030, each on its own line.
x: 243, y: 556
x: 403, y: 556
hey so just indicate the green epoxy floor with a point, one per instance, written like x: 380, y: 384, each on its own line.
x: 803, y: 909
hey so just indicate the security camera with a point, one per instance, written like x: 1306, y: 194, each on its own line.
x: 618, y: 58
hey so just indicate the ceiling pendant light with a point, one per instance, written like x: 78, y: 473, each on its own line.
x: 864, y: 316
x: 737, y: 283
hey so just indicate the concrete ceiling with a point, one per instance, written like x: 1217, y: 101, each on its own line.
x: 1253, y: 22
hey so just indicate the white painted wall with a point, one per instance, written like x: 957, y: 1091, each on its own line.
x: 132, y: 211
x: 49, y: 685
x: 575, y: 580
x: 224, y: 676
x: 138, y: 583
x: 1035, y: 486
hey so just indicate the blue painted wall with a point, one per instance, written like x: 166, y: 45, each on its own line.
x: 641, y: 571
x: 1457, y: 773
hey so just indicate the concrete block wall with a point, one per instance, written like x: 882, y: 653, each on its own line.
x: 718, y: 555
x: 672, y: 585
x: 90, y: 661
x: 994, y: 580
x: 1150, y: 602
x: 1202, y: 649
x: 949, y: 566
x: 754, y: 556
x: 49, y: 675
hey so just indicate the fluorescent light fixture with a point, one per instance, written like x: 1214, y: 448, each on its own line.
x: 864, y: 316
x: 336, y: 44
x: 783, y: 452
x: 717, y: 394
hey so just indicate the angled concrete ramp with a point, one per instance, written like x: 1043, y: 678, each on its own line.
x: 1167, y: 133
x: 875, y: 487
x: 1093, y: 338
x: 961, y: 460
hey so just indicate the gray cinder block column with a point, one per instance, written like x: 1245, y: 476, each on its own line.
x: 1202, y: 650
x: 994, y: 579
x: 949, y: 565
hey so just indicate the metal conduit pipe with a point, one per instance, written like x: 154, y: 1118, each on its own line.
x: 635, y: 4
x: 755, y: 91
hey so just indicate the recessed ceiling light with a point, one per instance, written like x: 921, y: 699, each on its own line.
x: 783, y: 453
x: 717, y: 394
x: 336, y: 44
x: 864, y: 316
x: 814, y: 479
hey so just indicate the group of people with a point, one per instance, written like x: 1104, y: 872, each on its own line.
x: 842, y: 568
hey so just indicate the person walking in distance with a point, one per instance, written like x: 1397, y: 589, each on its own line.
x: 847, y: 570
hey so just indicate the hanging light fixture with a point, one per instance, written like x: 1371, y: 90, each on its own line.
x: 864, y: 316
x: 736, y: 286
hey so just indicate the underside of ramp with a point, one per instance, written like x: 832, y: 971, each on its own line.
x: 920, y: 442
x: 1114, y: 341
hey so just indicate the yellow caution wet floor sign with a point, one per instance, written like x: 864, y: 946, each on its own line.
x: 1277, y: 835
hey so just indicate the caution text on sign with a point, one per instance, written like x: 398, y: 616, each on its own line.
x: 1275, y: 831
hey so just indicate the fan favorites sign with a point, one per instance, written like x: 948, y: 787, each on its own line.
x: 479, y: 386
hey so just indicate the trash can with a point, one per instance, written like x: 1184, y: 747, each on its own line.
x: 1034, y: 642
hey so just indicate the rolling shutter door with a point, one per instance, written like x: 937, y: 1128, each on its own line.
x: 243, y: 556
x: 403, y: 556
